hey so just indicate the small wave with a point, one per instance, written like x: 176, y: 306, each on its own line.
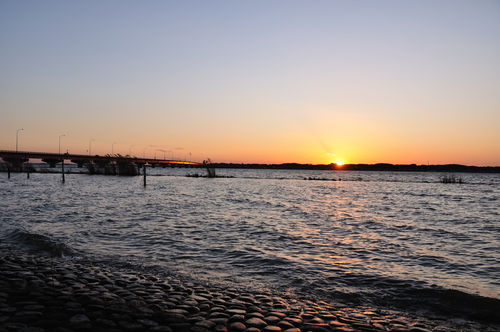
x: 455, y: 302
x: 40, y: 243
x: 408, y: 295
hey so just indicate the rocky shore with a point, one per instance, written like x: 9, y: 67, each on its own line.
x: 39, y: 293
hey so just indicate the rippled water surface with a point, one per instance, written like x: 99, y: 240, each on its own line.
x: 366, y: 235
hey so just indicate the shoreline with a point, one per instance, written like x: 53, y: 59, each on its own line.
x: 42, y: 293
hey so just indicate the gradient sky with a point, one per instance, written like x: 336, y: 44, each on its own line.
x: 254, y: 81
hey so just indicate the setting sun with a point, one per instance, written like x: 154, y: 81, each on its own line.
x: 339, y: 162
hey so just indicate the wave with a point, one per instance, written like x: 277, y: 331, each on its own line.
x: 39, y: 243
x: 456, y: 303
x: 409, y: 295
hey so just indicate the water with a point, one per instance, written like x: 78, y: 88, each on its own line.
x: 383, y: 238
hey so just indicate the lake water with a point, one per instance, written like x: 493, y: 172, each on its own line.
x: 391, y: 239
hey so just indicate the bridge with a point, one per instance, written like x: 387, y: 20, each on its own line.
x: 108, y: 164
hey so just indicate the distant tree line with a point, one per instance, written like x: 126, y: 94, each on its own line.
x: 368, y: 167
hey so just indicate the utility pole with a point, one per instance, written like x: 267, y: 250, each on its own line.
x: 60, y: 142
x: 90, y: 146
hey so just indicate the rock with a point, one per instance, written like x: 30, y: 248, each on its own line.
x: 220, y: 328
x: 27, y: 316
x: 237, y: 311
x: 130, y: 326
x: 177, y: 311
x: 315, y: 320
x: 237, y: 318
x: 316, y: 327
x: 256, y: 322
x: 272, y: 319
x: 161, y: 328
x: 255, y: 314
x: 218, y: 314
x: 105, y: 322
x: 285, y: 325
x: 34, y: 307
x: 180, y: 327
x: 237, y: 326
x: 147, y: 322
x: 271, y: 328
x: 80, y: 321
x: 252, y: 329
x: 15, y: 326
x: 277, y: 314
x: 294, y: 320
x: 208, y: 324
x: 31, y: 329
x: 196, y: 328
x: 219, y: 321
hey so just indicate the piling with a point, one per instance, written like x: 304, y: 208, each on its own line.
x: 62, y: 168
x: 27, y: 172
x: 8, y: 172
x: 144, y: 172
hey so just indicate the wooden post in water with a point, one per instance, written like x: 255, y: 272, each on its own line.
x: 62, y: 168
x: 8, y: 172
x: 144, y: 172
x: 27, y: 172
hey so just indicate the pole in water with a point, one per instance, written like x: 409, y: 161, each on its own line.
x: 62, y: 168
x: 27, y: 172
x: 8, y: 173
x: 144, y: 172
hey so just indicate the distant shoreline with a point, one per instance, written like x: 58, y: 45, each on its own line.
x: 381, y: 167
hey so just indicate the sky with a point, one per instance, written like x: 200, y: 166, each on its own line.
x: 254, y: 81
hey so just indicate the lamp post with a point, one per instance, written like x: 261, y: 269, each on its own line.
x: 161, y: 150
x: 90, y: 146
x: 60, y: 142
x: 17, y: 136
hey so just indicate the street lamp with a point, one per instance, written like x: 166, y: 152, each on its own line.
x: 60, y: 142
x: 17, y: 136
x: 90, y: 146
x: 161, y: 150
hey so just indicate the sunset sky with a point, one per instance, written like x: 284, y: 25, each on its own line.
x: 254, y: 81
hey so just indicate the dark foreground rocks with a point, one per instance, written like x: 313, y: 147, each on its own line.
x: 52, y: 294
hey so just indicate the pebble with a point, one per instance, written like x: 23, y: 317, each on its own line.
x: 39, y: 294
x: 237, y: 326
x: 256, y: 322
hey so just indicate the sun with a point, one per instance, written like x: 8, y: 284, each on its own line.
x: 339, y: 162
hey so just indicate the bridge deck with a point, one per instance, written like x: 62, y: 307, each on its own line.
x: 81, y: 157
